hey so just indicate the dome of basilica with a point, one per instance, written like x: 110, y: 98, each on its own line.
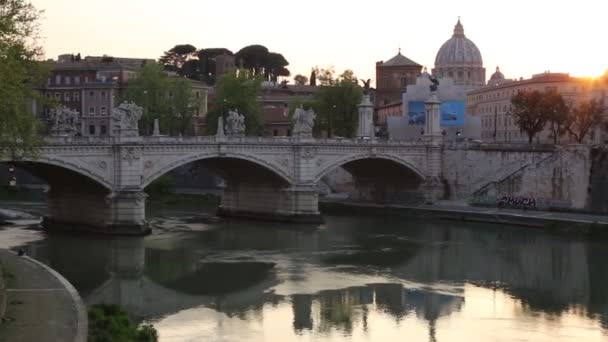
x: 497, y: 76
x: 458, y: 51
x: 460, y: 59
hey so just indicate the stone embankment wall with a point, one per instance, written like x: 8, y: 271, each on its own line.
x: 2, y: 295
x: 598, y: 181
x: 555, y: 176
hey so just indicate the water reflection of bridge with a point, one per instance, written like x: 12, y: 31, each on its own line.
x: 165, y: 275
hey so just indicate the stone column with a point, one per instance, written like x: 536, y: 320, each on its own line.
x: 267, y: 201
x: 366, y: 118
x: 120, y: 213
x: 433, y: 185
x: 432, y: 128
x: 127, y: 212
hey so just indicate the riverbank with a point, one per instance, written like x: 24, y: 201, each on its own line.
x: 555, y: 222
x: 41, y: 304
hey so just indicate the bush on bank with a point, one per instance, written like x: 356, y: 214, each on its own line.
x: 110, y: 323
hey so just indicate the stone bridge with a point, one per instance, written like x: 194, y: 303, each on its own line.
x: 99, y: 182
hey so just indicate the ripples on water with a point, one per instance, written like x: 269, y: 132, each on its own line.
x: 352, y: 279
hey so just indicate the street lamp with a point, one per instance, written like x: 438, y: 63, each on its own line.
x: 330, y: 128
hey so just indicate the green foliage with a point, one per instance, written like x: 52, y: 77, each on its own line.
x: 558, y: 112
x: 583, y: 118
x: 110, y: 323
x: 20, y: 71
x: 206, y: 60
x: 529, y: 112
x: 168, y: 99
x: 161, y: 186
x: 175, y: 58
x: 300, y: 79
x: 261, y: 62
x: 336, y: 103
x: 238, y: 91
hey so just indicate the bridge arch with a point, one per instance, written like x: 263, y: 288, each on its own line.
x: 33, y: 167
x: 263, y: 164
x: 325, y: 170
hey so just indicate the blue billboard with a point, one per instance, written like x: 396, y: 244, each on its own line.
x: 416, y: 113
x: 452, y: 113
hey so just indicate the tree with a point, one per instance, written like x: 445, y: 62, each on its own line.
x: 325, y: 77
x: 237, y: 91
x: 169, y: 100
x: 175, y: 58
x: 258, y: 60
x: 253, y: 58
x: 558, y: 112
x: 528, y: 112
x: 336, y: 104
x: 583, y: 118
x: 300, y: 79
x: 20, y: 72
x: 207, y: 67
x: 313, y: 78
x: 182, y: 104
x: 276, y: 65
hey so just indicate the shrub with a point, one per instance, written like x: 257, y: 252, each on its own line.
x: 110, y: 323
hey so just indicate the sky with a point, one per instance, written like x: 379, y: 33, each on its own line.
x: 523, y: 37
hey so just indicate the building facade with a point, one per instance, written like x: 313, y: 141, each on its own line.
x: 393, y: 77
x: 90, y: 86
x: 492, y: 104
x: 93, y: 86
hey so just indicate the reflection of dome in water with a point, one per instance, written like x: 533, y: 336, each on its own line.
x: 460, y: 59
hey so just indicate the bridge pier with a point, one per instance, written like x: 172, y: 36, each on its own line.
x: 266, y: 201
x: 118, y: 212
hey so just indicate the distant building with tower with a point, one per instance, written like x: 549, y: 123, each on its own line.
x: 393, y: 77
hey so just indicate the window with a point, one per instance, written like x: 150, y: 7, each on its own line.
x: 103, y: 130
x: 91, y: 93
x: 102, y: 111
x: 275, y: 132
x: 103, y: 94
x: 92, y: 129
x: 67, y: 80
x: 86, y: 79
x: 198, y: 94
x: 76, y: 96
x: 58, y: 96
x: 66, y: 97
x: 57, y: 79
x: 76, y: 79
x: 91, y: 110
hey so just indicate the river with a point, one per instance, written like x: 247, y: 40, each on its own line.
x: 354, y: 278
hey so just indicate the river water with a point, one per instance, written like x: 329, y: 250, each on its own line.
x: 354, y: 278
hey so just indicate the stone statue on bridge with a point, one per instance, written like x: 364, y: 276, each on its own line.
x: 65, y: 121
x: 125, y: 119
x: 303, y: 122
x: 235, y: 124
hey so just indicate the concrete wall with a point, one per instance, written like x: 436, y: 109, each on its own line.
x: 558, y: 176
